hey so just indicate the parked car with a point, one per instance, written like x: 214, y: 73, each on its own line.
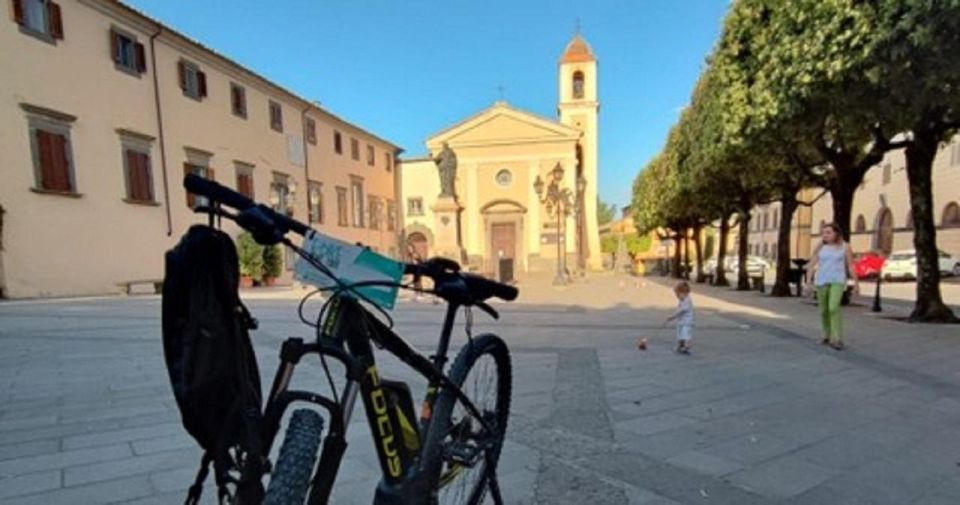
x: 756, y: 266
x: 903, y: 265
x: 868, y: 265
x: 710, y: 266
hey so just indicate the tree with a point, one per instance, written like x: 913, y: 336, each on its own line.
x: 606, y: 212
x: 917, y: 67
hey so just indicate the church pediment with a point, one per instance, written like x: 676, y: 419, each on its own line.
x: 502, y: 124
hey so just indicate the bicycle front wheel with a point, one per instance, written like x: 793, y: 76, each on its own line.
x: 459, y: 454
x: 290, y: 478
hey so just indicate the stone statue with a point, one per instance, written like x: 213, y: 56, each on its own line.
x: 447, y: 166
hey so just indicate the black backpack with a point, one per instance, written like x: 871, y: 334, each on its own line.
x: 210, y: 360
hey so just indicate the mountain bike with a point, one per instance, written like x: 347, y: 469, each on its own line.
x: 445, y: 454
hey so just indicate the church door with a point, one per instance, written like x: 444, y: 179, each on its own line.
x: 504, y: 241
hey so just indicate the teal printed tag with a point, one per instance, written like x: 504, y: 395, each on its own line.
x: 350, y: 263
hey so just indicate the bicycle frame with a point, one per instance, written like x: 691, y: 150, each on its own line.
x: 346, y: 336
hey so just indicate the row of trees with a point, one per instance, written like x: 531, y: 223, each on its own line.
x: 810, y: 93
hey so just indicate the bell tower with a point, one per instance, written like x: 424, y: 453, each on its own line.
x: 579, y: 107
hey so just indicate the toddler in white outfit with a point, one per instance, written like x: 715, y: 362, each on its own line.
x: 683, y: 316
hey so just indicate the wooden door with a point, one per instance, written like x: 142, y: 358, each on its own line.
x: 503, y: 239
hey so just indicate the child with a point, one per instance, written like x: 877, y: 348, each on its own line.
x: 683, y: 316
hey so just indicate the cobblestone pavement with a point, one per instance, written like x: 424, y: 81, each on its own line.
x: 760, y: 413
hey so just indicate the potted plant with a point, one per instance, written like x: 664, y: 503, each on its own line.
x: 250, y: 255
x: 272, y: 264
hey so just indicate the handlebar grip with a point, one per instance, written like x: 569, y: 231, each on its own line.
x: 483, y: 287
x: 205, y: 187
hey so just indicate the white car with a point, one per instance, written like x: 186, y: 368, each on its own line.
x: 755, y: 266
x: 903, y: 265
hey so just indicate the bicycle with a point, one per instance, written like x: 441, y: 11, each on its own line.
x: 447, y: 454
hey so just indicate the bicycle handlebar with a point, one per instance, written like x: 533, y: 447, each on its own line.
x: 226, y: 196
x: 269, y: 226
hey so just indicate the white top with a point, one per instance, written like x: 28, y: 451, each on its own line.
x: 831, y: 265
x: 685, y: 311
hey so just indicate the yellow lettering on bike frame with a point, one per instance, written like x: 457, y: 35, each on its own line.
x: 379, y: 403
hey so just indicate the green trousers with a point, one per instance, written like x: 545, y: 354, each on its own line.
x: 829, y: 296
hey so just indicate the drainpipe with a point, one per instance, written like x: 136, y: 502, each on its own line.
x: 163, y: 149
x: 306, y: 164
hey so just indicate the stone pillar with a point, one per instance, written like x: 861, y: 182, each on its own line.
x: 446, y: 229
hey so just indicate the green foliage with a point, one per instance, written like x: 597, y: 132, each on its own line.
x: 606, y: 212
x: 808, y: 92
x: 635, y: 244
x: 609, y: 244
x: 250, y: 255
x: 272, y: 261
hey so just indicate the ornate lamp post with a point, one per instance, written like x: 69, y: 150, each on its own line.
x: 558, y: 201
x: 581, y: 217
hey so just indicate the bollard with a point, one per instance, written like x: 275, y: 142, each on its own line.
x: 876, y: 295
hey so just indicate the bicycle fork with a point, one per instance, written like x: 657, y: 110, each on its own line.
x: 334, y: 447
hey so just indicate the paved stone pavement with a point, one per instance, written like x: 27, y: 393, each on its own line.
x: 759, y: 414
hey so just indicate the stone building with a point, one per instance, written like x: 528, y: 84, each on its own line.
x: 502, y: 152
x: 103, y: 110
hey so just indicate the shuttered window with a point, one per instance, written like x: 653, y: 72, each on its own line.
x: 238, y: 100
x: 311, y: 131
x: 371, y: 155
x: 342, y: 210
x: 127, y: 54
x: 276, y: 116
x: 315, y: 203
x: 189, y: 168
x: 355, y: 149
x: 40, y: 18
x: 337, y: 142
x: 139, y: 177
x: 54, y: 172
x: 245, y: 181
x: 391, y: 215
x: 192, y: 80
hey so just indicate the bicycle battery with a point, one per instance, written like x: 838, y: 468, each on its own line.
x: 402, y: 419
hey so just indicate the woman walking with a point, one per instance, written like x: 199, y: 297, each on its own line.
x: 831, y: 266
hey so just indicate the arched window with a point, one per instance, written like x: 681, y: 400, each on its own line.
x: 951, y: 215
x: 578, y: 84
x: 884, y: 235
x: 861, y: 225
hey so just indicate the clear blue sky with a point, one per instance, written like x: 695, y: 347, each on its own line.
x: 405, y: 69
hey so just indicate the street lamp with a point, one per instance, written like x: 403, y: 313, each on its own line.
x: 581, y: 220
x: 558, y: 201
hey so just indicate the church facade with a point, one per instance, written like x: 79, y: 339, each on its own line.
x: 509, y: 164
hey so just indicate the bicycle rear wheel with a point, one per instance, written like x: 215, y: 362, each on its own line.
x: 290, y: 478
x: 458, y: 452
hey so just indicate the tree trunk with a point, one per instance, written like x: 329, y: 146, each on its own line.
x: 720, y: 275
x: 698, y: 250
x: 686, y: 254
x: 788, y: 206
x: 677, y: 257
x: 842, y: 193
x: 743, y: 277
x: 929, y: 306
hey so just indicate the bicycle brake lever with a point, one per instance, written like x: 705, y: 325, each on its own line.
x: 488, y: 309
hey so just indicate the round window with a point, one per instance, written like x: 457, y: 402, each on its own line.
x: 504, y: 177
